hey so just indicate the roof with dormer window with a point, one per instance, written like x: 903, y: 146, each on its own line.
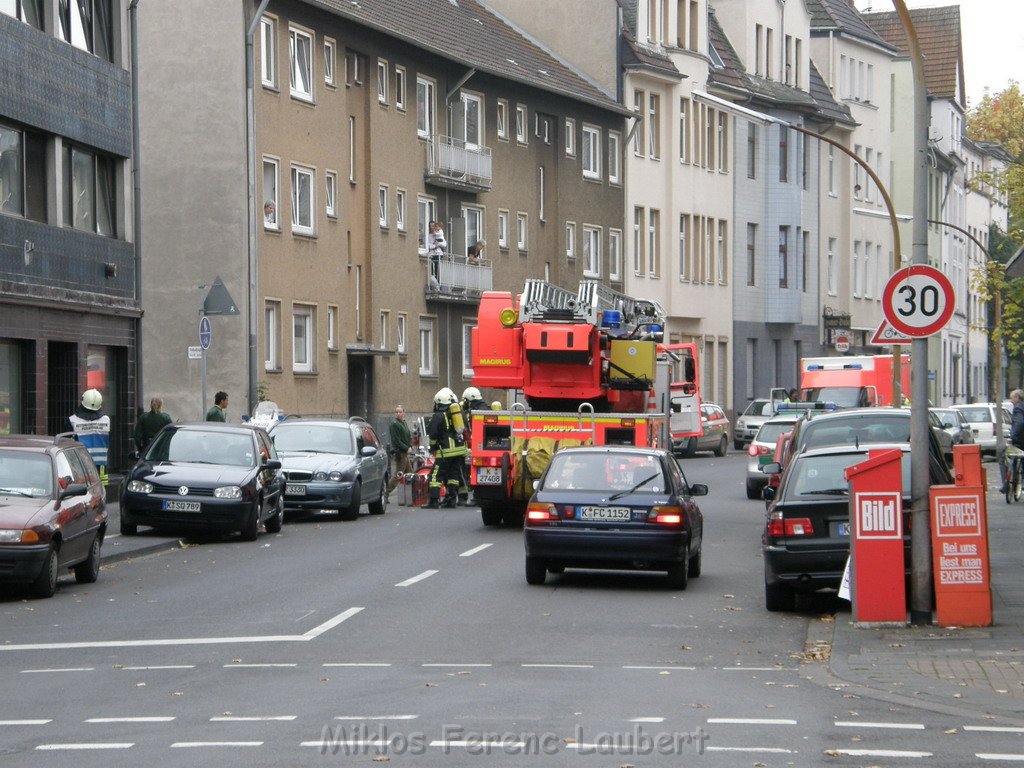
x: 841, y: 16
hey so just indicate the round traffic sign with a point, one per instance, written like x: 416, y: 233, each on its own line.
x: 842, y: 343
x: 205, y: 332
x: 918, y: 300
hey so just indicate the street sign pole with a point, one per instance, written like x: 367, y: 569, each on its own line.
x: 202, y: 360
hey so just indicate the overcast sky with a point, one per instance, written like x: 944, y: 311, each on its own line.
x: 993, y: 39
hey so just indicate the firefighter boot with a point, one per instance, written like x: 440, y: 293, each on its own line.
x: 451, y: 500
x: 434, y: 503
x: 463, y: 499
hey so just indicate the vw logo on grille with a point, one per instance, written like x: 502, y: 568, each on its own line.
x: 183, y: 490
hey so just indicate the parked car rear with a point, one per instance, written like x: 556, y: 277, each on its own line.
x: 982, y: 419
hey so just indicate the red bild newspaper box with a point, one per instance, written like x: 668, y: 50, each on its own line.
x: 960, y: 562
x: 876, y: 521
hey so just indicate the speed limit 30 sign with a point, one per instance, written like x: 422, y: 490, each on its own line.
x: 918, y: 300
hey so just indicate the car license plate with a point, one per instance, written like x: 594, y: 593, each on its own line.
x: 604, y: 513
x: 843, y: 529
x: 295, y: 490
x: 181, y: 506
x: 488, y: 475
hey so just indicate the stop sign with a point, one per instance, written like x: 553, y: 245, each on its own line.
x: 842, y: 343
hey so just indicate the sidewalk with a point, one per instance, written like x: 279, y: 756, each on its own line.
x: 117, y: 547
x: 980, y: 669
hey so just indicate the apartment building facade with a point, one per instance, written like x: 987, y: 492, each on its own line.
x: 67, y: 282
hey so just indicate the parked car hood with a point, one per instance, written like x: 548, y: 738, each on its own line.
x: 203, y: 475
x: 312, y: 462
x: 21, y: 511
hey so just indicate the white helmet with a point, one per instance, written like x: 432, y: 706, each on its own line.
x: 92, y: 400
x: 471, y: 393
x: 445, y: 396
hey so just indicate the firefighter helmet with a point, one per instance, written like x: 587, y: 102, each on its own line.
x: 92, y: 400
x: 471, y: 394
x: 445, y: 396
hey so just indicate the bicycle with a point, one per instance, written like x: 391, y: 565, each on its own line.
x: 1013, y: 456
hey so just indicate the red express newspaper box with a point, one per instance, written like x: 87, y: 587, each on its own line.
x: 960, y: 562
x: 876, y: 517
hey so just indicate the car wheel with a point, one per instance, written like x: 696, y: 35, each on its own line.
x: 490, y: 514
x: 380, y: 506
x: 737, y: 445
x: 679, y: 573
x: 46, y: 582
x: 251, y: 527
x: 87, y: 571
x: 536, y: 570
x: 753, y: 490
x: 276, y: 520
x: 128, y: 529
x: 779, y: 597
x: 691, y: 447
x: 722, y: 446
x: 351, y: 512
x: 693, y: 569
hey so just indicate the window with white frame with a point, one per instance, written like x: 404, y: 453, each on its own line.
x: 614, y: 156
x: 473, y: 120
x: 382, y: 81
x: 591, y: 251
x: 540, y: 192
x: 503, y: 229
x: 751, y: 254
x: 570, y: 137
x: 329, y: 48
x: 684, y: 130
x: 831, y: 272
x: 355, y: 63
x: 382, y: 204
x: 400, y: 88
x: 400, y: 210
x: 501, y: 119
x: 400, y: 337
x: 684, y: 247
x: 654, y: 126
x: 591, y: 150
x: 653, y: 242
x: 638, y: 123
x: 467, y: 350
x: 271, y: 202
x: 302, y: 338
x: 474, y: 218
x: 331, y: 193
x: 424, y: 108
x: 303, y: 199
x: 272, y: 336
x: 520, y: 123
x: 783, y: 257
x: 332, y: 328
x: 352, y: 149
x: 722, y: 252
x: 521, y: 231
x: 426, y: 346
x: 615, y: 254
x: 300, y: 49
x: 385, y: 329
x: 570, y: 239
x: 831, y: 170
x: 856, y: 269
x: 426, y: 212
x: 268, y: 46
x: 638, y: 240
x: 722, y: 141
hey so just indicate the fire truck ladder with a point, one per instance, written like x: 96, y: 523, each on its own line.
x: 585, y: 411
x: 596, y: 298
x: 542, y: 300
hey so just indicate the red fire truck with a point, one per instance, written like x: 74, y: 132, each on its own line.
x: 580, y: 368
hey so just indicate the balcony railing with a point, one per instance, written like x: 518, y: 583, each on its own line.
x: 454, y: 278
x: 452, y: 163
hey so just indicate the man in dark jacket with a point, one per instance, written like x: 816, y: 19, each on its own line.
x: 401, y: 442
x: 149, y: 423
x: 1016, y: 432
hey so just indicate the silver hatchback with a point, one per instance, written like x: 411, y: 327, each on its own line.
x: 750, y: 420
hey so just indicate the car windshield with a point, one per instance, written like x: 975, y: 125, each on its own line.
x: 25, y: 474
x: 826, y: 475
x: 200, y: 446
x: 770, y: 433
x: 756, y: 408
x: 605, y: 472
x: 314, y: 438
x: 843, y: 397
x: 976, y: 415
x: 856, y: 430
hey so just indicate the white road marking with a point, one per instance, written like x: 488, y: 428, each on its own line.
x: 647, y: 720
x: 770, y: 750
x: 560, y: 666
x: 474, y: 550
x: 880, y: 753
x: 376, y: 717
x: 257, y: 666
x: 664, y: 669
x: 414, y: 579
x: 757, y: 669
x: 1006, y: 758
x: 191, y: 744
x: 446, y: 664
x: 322, y: 744
x: 109, y: 745
x: 994, y: 728
x: 65, y: 669
x: 162, y: 666
x: 856, y: 724
x: 25, y: 722
x: 750, y: 721
x: 480, y: 744
x: 129, y: 719
x: 310, y: 635
x: 267, y: 719
x: 356, y: 664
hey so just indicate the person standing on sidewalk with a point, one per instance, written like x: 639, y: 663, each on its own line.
x: 401, y: 442
x: 149, y: 423
x: 220, y: 405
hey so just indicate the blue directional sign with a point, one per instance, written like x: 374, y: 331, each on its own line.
x: 205, y: 332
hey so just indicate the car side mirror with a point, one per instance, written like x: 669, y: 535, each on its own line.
x: 368, y: 450
x: 698, y: 489
x: 771, y: 469
x: 768, y: 493
x: 133, y: 456
x: 271, y: 464
x: 536, y: 484
x: 75, y: 489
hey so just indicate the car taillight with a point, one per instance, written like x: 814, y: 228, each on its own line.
x: 540, y: 512
x: 752, y: 450
x: 666, y: 515
x: 486, y: 461
x: 793, y: 526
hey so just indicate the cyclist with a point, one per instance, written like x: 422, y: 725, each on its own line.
x: 1016, y: 432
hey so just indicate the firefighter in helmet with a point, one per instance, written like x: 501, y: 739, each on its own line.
x: 92, y: 428
x: 448, y: 444
x: 472, y: 400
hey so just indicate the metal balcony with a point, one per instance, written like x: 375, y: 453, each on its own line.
x: 454, y: 165
x: 457, y: 280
